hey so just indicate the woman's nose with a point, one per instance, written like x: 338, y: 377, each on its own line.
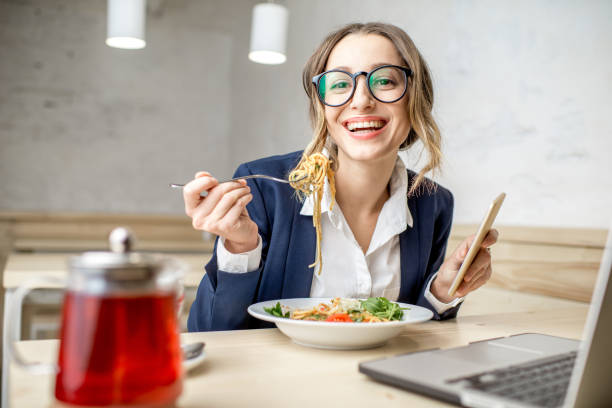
x: 362, y: 98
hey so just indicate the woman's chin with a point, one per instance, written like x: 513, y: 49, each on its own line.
x: 367, y: 153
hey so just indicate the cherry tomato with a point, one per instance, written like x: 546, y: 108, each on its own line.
x: 339, y: 317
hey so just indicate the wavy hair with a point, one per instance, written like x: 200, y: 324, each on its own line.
x: 420, y: 94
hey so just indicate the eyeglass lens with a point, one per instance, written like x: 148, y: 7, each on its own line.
x: 387, y: 84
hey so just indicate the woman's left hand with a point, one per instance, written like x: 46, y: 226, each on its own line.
x: 477, y: 274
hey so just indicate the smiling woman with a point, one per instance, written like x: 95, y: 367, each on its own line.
x: 370, y: 96
x: 399, y: 70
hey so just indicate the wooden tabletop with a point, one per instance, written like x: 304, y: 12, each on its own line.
x: 263, y: 368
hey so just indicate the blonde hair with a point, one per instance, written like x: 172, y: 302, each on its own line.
x: 420, y: 94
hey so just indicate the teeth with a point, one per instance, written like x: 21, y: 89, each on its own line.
x: 377, y: 124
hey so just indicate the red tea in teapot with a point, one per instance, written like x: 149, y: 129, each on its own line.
x: 119, y: 350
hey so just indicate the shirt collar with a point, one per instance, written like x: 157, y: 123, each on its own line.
x: 395, y: 211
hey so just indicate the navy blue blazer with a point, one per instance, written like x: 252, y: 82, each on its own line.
x: 289, y: 245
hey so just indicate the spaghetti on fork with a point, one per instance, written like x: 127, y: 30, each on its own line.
x: 309, y: 179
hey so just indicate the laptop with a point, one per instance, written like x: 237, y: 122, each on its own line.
x: 525, y: 370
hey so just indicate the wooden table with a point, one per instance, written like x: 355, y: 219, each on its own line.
x: 263, y: 368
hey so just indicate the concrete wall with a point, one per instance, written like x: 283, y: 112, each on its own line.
x: 85, y: 127
x: 522, y: 97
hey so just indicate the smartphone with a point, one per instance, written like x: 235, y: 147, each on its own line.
x: 483, y: 230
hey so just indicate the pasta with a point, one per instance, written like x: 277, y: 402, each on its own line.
x: 340, y: 310
x: 310, y: 180
x: 371, y: 310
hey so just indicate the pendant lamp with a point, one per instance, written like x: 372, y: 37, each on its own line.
x: 126, y: 24
x: 269, y: 33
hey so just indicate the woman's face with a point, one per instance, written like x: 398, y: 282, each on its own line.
x: 359, y: 52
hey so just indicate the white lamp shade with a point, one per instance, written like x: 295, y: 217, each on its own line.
x: 126, y: 24
x: 269, y: 33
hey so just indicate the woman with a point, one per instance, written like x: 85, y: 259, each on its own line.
x: 371, y: 95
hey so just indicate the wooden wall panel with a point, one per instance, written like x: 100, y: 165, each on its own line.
x: 66, y: 232
x: 560, y: 262
x: 587, y: 237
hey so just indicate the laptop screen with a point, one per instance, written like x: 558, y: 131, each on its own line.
x: 589, y: 386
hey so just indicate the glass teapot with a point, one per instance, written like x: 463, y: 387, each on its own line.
x: 119, y: 339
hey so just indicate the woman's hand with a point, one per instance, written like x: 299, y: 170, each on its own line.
x: 477, y: 274
x: 223, y: 211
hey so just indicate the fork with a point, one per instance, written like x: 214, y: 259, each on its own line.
x: 250, y: 176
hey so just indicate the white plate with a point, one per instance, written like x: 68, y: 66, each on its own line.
x: 332, y: 335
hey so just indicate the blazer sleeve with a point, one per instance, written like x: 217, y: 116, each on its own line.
x: 442, y: 227
x: 223, y: 297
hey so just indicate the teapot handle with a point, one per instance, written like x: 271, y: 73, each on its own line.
x: 11, y: 336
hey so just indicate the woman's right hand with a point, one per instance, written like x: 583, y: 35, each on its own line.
x: 223, y: 211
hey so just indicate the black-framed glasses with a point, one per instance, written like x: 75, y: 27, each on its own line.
x: 387, y: 84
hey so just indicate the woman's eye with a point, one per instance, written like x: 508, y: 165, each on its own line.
x: 340, y: 85
x: 382, y: 82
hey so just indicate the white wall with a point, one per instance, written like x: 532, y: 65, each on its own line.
x: 522, y: 97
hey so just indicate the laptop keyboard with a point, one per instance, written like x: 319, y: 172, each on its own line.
x: 541, y: 383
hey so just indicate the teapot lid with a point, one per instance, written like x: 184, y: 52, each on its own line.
x: 133, y: 265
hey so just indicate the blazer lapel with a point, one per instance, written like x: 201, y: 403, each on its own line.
x: 301, y: 253
x: 409, y: 258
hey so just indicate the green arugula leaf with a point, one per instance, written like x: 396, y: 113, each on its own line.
x: 276, y: 311
x: 381, y: 307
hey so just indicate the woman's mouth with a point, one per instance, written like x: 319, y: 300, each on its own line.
x: 365, y: 129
